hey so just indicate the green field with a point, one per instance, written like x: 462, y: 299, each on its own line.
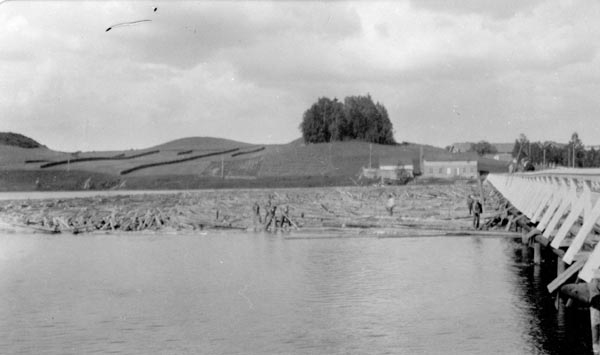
x: 201, y: 162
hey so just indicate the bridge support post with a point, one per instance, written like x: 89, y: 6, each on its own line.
x: 558, y: 200
x: 560, y: 266
x: 524, y: 248
x: 560, y: 269
x: 537, y: 253
x: 595, y: 324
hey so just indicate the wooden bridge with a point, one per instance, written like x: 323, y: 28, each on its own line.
x: 560, y: 210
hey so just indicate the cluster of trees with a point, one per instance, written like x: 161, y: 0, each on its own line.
x: 358, y: 117
x: 483, y: 147
x: 548, y: 153
x: 18, y: 140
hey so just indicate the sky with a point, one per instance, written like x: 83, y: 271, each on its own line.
x: 447, y: 71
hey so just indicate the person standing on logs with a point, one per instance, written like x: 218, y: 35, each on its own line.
x: 477, y: 211
x: 267, y: 209
x: 470, y: 204
x: 271, y: 218
x: 391, y: 203
x: 256, y: 214
x: 285, y: 220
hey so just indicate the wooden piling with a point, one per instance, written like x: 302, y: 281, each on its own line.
x: 595, y: 329
x: 480, y: 179
x: 564, y: 217
x: 578, y: 292
x: 560, y: 266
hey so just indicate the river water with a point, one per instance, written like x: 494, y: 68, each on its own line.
x: 244, y: 293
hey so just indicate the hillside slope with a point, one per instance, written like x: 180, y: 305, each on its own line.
x: 192, y: 162
x: 335, y: 159
x: 200, y: 143
x: 18, y: 140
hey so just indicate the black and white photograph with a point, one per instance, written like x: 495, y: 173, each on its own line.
x: 329, y: 177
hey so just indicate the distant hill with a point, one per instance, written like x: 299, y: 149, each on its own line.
x: 202, y: 162
x: 216, y: 157
x: 201, y: 143
x: 18, y: 140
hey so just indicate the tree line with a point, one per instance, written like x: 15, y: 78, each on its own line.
x: 357, y: 118
x: 572, y: 154
x: 483, y: 147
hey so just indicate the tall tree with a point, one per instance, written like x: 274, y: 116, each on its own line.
x: 339, y: 127
x: 483, y: 147
x: 319, y: 119
x: 576, y: 150
x: 386, y: 130
x: 590, y: 158
x: 357, y: 118
x: 521, y: 146
x: 369, y: 121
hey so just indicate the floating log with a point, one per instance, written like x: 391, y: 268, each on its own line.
x: 579, y: 292
x: 35, y: 228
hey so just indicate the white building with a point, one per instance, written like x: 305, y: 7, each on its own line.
x: 450, y: 168
x: 391, y: 169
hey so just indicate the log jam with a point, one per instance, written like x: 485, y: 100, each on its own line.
x: 433, y: 207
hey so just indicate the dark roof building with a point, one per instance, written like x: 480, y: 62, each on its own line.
x: 466, y: 146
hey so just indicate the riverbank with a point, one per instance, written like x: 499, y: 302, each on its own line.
x: 424, y: 209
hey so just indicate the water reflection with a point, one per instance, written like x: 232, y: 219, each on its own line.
x: 548, y: 330
x: 263, y: 294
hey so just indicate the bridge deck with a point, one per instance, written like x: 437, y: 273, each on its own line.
x: 564, y: 205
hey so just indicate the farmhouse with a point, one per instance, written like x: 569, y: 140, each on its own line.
x: 504, y: 150
x: 460, y: 147
x: 390, y: 169
x: 449, y: 168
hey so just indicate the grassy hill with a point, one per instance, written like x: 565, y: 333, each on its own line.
x: 200, y: 143
x: 198, y: 162
x: 17, y: 140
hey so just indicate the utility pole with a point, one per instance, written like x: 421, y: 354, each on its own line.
x: 370, y: 153
x: 573, y: 154
x: 420, y: 160
x: 544, y: 157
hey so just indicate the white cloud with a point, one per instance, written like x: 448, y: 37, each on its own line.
x: 248, y: 70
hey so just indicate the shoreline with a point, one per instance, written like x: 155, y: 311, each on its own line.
x: 440, y: 208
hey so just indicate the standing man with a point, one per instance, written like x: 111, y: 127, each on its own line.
x: 512, y: 166
x: 391, y: 203
x: 267, y: 209
x: 477, y: 211
x: 470, y: 203
x: 285, y: 220
x: 256, y: 214
x: 272, y: 219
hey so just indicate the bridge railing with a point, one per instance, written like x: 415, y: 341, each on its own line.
x: 558, y: 200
